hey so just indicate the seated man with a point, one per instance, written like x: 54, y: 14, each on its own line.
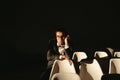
x: 59, y: 48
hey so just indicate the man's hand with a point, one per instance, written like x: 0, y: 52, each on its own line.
x: 66, y: 39
x: 62, y: 57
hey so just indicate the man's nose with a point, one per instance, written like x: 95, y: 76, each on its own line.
x: 61, y: 39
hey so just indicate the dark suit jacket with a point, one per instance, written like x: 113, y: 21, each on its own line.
x: 53, y: 53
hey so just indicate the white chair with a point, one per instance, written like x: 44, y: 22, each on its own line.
x: 78, y: 56
x: 117, y: 54
x: 111, y: 50
x: 114, y: 66
x: 90, y: 71
x: 65, y: 76
x: 62, y: 66
x: 100, y: 54
x: 103, y: 59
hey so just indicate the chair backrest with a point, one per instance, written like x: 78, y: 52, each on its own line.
x: 62, y: 66
x: 111, y: 50
x: 103, y: 60
x: 65, y: 76
x: 117, y: 54
x: 65, y: 67
x: 91, y: 71
x: 78, y: 56
x: 114, y: 66
x: 100, y: 54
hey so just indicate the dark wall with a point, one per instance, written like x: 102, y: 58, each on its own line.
x: 89, y: 27
x: 27, y: 28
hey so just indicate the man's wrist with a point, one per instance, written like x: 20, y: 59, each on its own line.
x: 66, y: 46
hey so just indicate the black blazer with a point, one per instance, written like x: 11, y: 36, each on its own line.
x: 53, y: 53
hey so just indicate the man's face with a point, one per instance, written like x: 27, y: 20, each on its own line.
x: 60, y: 38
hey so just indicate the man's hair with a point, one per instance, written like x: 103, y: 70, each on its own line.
x: 63, y: 30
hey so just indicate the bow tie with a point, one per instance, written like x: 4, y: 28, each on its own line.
x: 61, y: 46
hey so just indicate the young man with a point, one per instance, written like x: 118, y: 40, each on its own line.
x: 59, y: 48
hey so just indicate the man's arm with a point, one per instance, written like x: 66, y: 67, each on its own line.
x: 51, y: 55
x: 68, y: 47
x: 69, y: 52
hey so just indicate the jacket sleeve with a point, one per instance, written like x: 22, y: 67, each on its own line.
x: 51, y: 54
x: 69, y: 52
x: 70, y: 49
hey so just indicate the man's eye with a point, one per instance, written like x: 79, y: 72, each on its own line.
x: 60, y: 36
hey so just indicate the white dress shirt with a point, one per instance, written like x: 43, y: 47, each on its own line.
x: 61, y: 48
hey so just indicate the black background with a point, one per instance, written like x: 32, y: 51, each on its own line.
x: 27, y: 26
